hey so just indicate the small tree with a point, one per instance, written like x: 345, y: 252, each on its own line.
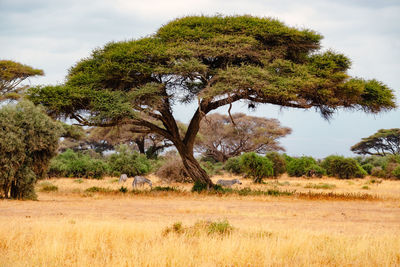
x: 222, y: 137
x: 28, y: 140
x: 256, y: 166
x: 211, y: 61
x: 342, y: 167
x: 12, y: 74
x: 278, y: 161
x: 299, y: 166
x: 382, y: 143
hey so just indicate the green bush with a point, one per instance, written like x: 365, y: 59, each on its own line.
x: 28, y: 140
x: 256, y: 166
x: 73, y: 164
x: 396, y: 172
x: 298, y: 166
x: 212, y: 168
x: 48, y: 187
x: 315, y: 170
x: 343, y: 168
x: 367, y: 167
x: 129, y: 162
x: 232, y: 165
x: 278, y: 161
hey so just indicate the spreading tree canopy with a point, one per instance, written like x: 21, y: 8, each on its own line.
x: 210, y: 61
x: 12, y: 74
x: 222, y: 137
x: 382, y: 143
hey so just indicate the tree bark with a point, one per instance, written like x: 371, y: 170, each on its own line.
x: 192, y: 166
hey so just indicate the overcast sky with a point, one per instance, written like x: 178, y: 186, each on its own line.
x: 53, y: 35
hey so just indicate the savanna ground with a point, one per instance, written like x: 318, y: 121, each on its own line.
x: 72, y: 227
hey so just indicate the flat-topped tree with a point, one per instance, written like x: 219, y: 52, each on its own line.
x: 12, y: 74
x: 210, y: 61
x: 382, y: 143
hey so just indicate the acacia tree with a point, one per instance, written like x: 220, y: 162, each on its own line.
x: 211, y: 61
x: 12, y: 74
x: 222, y: 137
x: 382, y: 143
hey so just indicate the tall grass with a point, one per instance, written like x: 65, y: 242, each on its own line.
x: 28, y: 242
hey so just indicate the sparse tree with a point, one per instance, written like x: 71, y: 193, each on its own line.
x: 12, y: 74
x: 382, y: 143
x: 211, y: 61
x: 28, y: 140
x: 222, y: 137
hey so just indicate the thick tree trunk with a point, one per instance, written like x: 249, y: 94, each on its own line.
x: 192, y: 166
x: 140, y: 143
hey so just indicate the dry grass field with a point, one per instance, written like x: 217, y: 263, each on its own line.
x: 72, y: 227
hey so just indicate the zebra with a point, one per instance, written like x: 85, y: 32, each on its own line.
x: 123, y: 178
x: 139, y: 180
x: 228, y: 183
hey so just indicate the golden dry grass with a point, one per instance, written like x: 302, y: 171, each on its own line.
x: 71, y: 228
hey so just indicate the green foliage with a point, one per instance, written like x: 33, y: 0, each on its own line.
x: 28, y: 140
x: 260, y: 60
x: 123, y: 189
x: 299, y: 166
x: 222, y: 227
x: 212, y: 168
x: 11, y: 75
x: 382, y: 143
x: 232, y: 165
x: 367, y: 167
x: 48, y: 187
x: 278, y: 161
x: 165, y: 189
x: 129, y: 162
x: 73, y: 164
x: 96, y: 189
x: 396, y: 172
x: 315, y: 170
x: 256, y: 166
x: 342, y: 167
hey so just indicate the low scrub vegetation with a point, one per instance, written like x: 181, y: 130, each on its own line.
x: 220, y: 228
x: 342, y: 167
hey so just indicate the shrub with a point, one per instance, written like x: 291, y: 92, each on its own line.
x: 278, y: 161
x: 173, y: 171
x: 378, y: 172
x: 315, y: 170
x: 390, y: 168
x: 48, y: 187
x: 256, y: 166
x: 342, y: 167
x: 95, y: 189
x: 201, y: 227
x: 367, y: 167
x: 73, y: 164
x: 199, y: 187
x: 396, y: 172
x: 298, y: 166
x: 123, y: 189
x: 28, y: 140
x: 129, y: 162
x: 232, y: 165
x: 165, y: 189
x: 212, y: 168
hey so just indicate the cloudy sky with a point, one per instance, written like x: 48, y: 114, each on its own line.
x: 53, y: 35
